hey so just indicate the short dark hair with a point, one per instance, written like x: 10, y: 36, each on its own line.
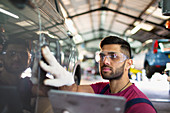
x: 124, y: 45
x: 16, y: 41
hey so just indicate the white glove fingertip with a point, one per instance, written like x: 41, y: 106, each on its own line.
x: 48, y: 82
x: 53, y: 82
x: 45, y: 50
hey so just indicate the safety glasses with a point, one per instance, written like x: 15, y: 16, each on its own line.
x: 111, y: 56
x: 14, y: 53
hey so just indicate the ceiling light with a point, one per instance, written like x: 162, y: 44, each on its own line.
x: 128, y: 32
x: 8, y: 13
x: 70, y: 26
x: 77, y: 39
x: 147, y: 27
x: 136, y: 29
x: 148, y: 41
x: 144, y: 26
x: 130, y: 40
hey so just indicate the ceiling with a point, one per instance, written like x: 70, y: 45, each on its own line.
x: 94, y: 19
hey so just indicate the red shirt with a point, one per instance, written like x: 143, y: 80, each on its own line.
x: 129, y: 93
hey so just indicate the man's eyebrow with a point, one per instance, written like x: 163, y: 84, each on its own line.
x: 111, y: 52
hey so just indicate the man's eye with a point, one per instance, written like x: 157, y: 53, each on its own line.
x: 113, y: 56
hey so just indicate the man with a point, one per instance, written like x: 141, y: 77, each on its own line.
x: 15, y: 59
x: 113, y: 65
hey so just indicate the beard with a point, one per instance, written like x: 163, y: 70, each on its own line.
x: 15, y: 68
x: 112, y: 75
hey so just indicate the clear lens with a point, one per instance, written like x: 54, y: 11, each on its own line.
x: 14, y: 53
x: 111, y: 56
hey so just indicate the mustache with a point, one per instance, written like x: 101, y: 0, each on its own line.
x: 106, y: 66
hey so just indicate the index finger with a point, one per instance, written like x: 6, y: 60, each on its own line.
x: 48, y: 56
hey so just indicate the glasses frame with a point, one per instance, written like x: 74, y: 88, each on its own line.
x: 14, y: 53
x: 109, y: 56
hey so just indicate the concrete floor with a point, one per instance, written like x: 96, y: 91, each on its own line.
x: 156, y: 88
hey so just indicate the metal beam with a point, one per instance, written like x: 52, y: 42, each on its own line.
x: 91, y: 19
x: 150, y: 4
x: 108, y: 9
x: 86, y: 41
x: 114, y: 17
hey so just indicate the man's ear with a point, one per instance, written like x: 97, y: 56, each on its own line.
x: 129, y: 62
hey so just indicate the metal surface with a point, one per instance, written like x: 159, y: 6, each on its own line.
x: 73, y: 102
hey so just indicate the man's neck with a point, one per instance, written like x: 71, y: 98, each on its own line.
x: 9, y: 78
x: 117, y: 86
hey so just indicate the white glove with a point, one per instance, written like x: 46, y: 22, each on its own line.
x: 61, y: 76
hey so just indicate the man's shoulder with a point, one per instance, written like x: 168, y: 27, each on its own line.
x: 140, y: 108
x: 97, y: 87
x: 136, y: 93
x: 99, y: 84
x: 142, y: 103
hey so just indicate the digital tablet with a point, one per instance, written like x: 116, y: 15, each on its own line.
x: 75, y: 102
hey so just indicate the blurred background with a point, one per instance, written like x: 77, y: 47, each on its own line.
x: 73, y: 30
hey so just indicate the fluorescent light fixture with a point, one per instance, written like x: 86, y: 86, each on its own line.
x: 130, y: 40
x: 25, y: 23
x: 128, y: 32
x: 77, y: 39
x: 136, y: 29
x: 8, y: 13
x: 144, y: 26
x: 147, y: 27
x: 70, y: 26
x: 148, y: 41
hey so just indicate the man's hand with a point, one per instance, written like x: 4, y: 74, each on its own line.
x: 61, y: 76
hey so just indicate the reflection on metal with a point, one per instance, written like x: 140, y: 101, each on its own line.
x: 19, y: 65
x: 8, y: 13
x: 160, y: 100
x: 25, y: 23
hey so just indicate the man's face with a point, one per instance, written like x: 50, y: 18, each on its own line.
x: 16, y: 58
x: 109, y: 68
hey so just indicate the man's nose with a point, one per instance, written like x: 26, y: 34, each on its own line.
x: 106, y: 60
x: 17, y: 56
